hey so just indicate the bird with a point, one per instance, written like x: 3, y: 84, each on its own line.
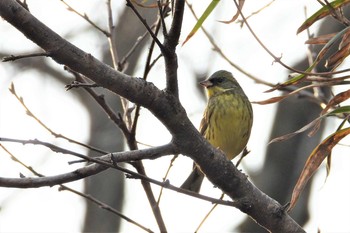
x: 227, y: 121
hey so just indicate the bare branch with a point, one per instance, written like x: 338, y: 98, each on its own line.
x: 143, y: 21
x: 116, y: 157
x: 166, y: 107
x: 147, y: 69
x: 256, y: 12
x: 162, y: 14
x: 123, y: 61
x: 52, y: 180
x: 166, y: 176
x: 57, y: 135
x: 172, y: 39
x: 170, y: 43
x: 278, y: 59
x: 105, y: 206
x: 223, y: 55
x: 86, y: 196
x: 85, y: 17
x: 117, y: 119
x: 112, y: 40
x: 16, y: 57
x: 51, y: 146
x: 109, y: 158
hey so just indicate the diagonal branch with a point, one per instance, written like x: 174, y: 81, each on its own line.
x: 52, y: 180
x: 154, y: 36
x: 166, y: 107
x: 101, y: 204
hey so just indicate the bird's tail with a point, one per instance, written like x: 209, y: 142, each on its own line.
x: 194, y: 181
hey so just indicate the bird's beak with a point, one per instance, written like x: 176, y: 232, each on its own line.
x: 206, y: 83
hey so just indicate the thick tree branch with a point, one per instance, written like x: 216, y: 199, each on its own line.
x: 175, y: 29
x: 166, y: 107
x: 169, y: 52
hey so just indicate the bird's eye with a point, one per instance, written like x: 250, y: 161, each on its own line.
x: 219, y: 80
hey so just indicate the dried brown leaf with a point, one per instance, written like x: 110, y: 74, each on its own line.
x: 337, y: 58
x: 323, y: 39
x: 314, y: 161
x: 345, y: 39
x: 271, y: 100
x: 339, y: 98
x: 240, y: 6
x: 303, y: 129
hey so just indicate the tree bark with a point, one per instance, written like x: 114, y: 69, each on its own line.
x: 166, y: 107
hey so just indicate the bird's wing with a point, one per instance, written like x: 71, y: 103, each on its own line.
x: 205, y: 121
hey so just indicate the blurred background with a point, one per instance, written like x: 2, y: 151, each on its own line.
x: 272, y: 168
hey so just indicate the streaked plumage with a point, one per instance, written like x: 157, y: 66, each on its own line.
x: 227, y: 120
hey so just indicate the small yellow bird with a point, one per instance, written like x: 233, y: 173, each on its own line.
x: 226, y: 123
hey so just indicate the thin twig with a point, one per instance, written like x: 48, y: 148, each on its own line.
x: 132, y: 49
x: 143, y: 21
x: 17, y: 57
x: 243, y: 155
x: 311, y: 59
x: 162, y: 13
x: 223, y: 55
x: 84, y: 16
x: 148, y: 66
x: 256, y: 12
x: 104, y: 161
x: 207, y: 215
x: 117, y: 119
x: 166, y: 176
x: 150, y: 196
x: 52, y: 147
x: 111, y: 37
x: 278, y: 59
x: 57, y: 135
x: 114, y: 54
x: 88, y: 197
x: 105, y: 206
x: 76, y: 84
x: 133, y: 123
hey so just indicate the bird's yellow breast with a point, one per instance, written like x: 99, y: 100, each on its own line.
x: 229, y: 119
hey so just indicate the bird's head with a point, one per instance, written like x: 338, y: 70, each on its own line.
x: 220, y: 81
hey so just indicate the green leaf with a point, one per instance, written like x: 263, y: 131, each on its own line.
x: 299, y: 77
x: 319, y: 57
x: 321, y: 13
x: 343, y: 109
x: 203, y: 17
